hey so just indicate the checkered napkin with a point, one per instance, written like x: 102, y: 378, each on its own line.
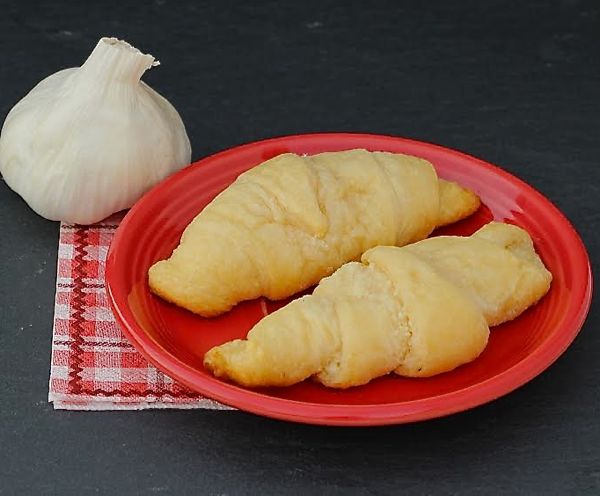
x: 93, y: 366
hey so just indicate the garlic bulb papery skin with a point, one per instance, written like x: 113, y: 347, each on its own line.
x: 89, y: 141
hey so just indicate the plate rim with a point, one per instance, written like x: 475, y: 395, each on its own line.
x: 342, y: 414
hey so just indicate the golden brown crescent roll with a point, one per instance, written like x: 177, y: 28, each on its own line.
x: 292, y: 220
x: 418, y: 311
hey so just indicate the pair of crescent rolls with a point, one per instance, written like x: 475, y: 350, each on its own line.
x: 417, y: 311
x: 292, y: 220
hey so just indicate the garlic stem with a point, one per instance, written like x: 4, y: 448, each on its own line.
x: 115, y: 60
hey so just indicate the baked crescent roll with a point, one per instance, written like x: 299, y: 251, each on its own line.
x: 292, y: 220
x: 418, y: 311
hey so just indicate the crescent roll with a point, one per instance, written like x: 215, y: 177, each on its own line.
x: 417, y: 311
x: 292, y: 220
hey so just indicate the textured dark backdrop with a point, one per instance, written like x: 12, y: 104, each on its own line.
x: 516, y: 83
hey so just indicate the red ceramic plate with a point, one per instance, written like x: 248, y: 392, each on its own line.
x: 175, y: 340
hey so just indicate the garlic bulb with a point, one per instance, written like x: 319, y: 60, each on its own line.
x: 89, y: 141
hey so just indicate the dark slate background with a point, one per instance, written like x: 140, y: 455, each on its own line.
x: 516, y: 83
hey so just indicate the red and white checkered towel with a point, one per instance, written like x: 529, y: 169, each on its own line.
x: 94, y: 367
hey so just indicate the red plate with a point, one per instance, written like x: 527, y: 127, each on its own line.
x: 175, y: 340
